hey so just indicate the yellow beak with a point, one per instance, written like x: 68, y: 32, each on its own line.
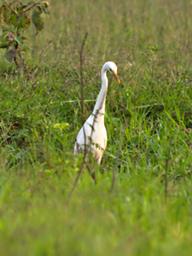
x: 117, y: 78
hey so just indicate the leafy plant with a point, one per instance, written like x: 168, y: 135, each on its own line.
x: 15, y: 18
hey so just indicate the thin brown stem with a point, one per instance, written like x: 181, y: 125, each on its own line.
x: 75, y: 183
x: 81, y: 59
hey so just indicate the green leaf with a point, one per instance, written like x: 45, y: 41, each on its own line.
x: 4, y: 45
x: 37, y: 20
x: 10, y: 54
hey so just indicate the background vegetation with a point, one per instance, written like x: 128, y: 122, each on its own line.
x: 149, y: 211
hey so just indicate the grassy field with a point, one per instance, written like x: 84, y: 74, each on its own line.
x: 148, y: 119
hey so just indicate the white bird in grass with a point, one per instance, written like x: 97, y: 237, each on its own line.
x: 92, y: 137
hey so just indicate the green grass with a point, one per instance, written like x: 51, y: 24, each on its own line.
x: 149, y: 211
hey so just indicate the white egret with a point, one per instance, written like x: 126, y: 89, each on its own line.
x: 92, y: 137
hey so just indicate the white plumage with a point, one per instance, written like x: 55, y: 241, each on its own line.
x: 92, y: 137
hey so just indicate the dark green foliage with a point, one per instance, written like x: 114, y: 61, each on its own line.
x: 15, y: 19
x: 37, y: 16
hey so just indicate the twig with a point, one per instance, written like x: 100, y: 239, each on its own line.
x: 44, y: 51
x: 114, y: 176
x: 81, y: 59
x: 113, y: 181
x: 91, y: 173
x: 30, y: 6
x: 75, y: 183
x: 84, y: 162
x: 167, y: 159
x: 80, y: 172
x: 166, y: 178
x: 85, y: 151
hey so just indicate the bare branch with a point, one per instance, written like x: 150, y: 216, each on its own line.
x: 80, y: 172
x: 81, y: 59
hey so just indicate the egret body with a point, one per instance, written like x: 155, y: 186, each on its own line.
x: 92, y: 137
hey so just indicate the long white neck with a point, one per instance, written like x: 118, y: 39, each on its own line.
x: 101, y: 98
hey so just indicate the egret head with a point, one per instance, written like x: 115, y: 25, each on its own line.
x: 112, y: 68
